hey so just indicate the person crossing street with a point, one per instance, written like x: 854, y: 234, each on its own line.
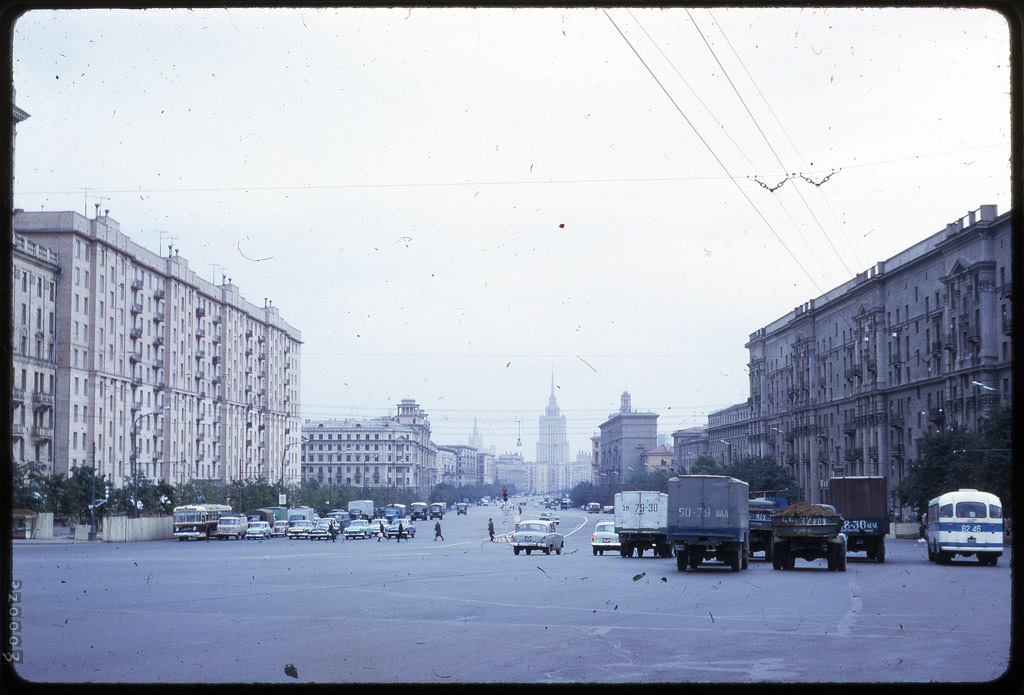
x: 437, y: 531
x: 490, y: 529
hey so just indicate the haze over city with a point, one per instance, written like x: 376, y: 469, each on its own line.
x: 456, y: 205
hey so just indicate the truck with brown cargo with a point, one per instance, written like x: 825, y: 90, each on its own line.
x: 809, y: 532
x: 861, y: 501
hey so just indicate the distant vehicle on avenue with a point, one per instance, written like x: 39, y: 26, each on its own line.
x: 604, y: 538
x: 549, y: 516
x: 198, y: 520
x: 408, y: 530
x: 232, y: 527
x: 259, y: 529
x: 359, y: 528
x: 299, y: 529
x: 537, y: 534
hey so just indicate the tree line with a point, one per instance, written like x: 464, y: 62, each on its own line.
x: 70, y: 496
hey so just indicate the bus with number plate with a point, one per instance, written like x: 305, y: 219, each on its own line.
x: 966, y: 522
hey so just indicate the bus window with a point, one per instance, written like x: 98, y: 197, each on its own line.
x: 995, y: 512
x: 970, y: 510
x: 946, y: 511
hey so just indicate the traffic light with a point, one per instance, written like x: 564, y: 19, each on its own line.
x: 504, y: 493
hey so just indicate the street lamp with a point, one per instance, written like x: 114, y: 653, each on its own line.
x: 984, y: 386
x: 284, y: 452
x: 135, y: 473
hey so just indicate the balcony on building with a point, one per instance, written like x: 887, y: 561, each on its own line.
x: 936, y: 414
x: 135, y: 333
x: 200, y: 353
x: 200, y: 332
x: 42, y: 399
x: 18, y: 395
x: 200, y: 311
x: 42, y: 432
x: 158, y: 386
x: 18, y: 430
x: 136, y: 381
x: 217, y: 318
x: 158, y: 340
x: 134, y: 356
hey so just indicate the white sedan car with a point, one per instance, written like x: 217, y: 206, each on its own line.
x: 604, y: 538
x: 537, y: 535
x: 259, y: 529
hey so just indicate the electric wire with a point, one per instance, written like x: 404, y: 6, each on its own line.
x: 712, y: 152
x: 777, y: 159
x: 785, y: 132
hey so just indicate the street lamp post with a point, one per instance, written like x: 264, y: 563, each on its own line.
x: 135, y: 472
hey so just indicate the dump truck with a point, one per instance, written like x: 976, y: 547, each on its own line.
x: 861, y: 501
x: 760, y: 518
x: 810, y: 532
x: 641, y: 520
x: 707, y: 518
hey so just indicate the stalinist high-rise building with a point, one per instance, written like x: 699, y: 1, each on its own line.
x: 552, y: 445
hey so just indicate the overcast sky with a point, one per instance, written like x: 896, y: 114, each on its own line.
x: 453, y: 204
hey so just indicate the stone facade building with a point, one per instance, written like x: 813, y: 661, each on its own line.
x: 727, y: 433
x: 848, y: 383
x: 33, y: 352
x: 159, y: 371
x: 625, y: 437
x: 391, y: 452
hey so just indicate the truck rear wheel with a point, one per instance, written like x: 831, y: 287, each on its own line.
x: 769, y: 551
x: 736, y: 560
x: 681, y: 562
x: 745, y: 562
x: 776, y: 556
x: 880, y: 552
x: 830, y: 556
x: 841, y: 558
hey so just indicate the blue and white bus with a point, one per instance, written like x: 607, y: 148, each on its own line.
x: 966, y: 522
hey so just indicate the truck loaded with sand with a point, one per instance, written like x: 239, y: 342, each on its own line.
x: 810, y: 532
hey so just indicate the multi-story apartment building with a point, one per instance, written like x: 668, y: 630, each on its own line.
x: 727, y: 433
x: 687, y: 445
x: 849, y: 382
x: 33, y: 352
x: 392, y: 452
x: 511, y: 469
x: 159, y: 371
x: 467, y: 471
x: 625, y: 437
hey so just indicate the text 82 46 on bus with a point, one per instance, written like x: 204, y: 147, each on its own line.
x: 198, y: 520
x: 965, y: 522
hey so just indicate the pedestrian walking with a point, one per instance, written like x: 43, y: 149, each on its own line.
x: 490, y: 529
x: 381, y: 524
x: 401, y: 530
x: 437, y: 531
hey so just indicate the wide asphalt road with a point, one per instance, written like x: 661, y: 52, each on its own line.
x: 468, y: 610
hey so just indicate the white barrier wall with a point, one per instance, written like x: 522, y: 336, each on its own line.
x: 121, y: 529
x: 43, y: 529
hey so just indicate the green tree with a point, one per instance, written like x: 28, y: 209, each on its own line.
x: 764, y: 475
x: 705, y: 464
x: 28, y: 486
x: 957, y: 458
x: 646, y: 479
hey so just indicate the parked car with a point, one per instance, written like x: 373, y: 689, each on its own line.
x: 408, y: 530
x: 299, y: 529
x: 259, y: 529
x: 323, y: 530
x: 280, y: 528
x: 537, y: 535
x: 549, y: 516
x: 360, y: 528
x: 228, y: 526
x: 604, y: 538
x: 608, y: 509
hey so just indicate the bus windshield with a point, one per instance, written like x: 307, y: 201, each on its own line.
x: 970, y: 510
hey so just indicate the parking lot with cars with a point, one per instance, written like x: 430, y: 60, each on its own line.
x: 469, y: 610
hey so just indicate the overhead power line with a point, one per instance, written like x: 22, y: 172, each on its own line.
x: 712, y: 152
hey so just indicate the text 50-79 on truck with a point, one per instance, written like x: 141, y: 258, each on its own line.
x: 861, y: 501
x: 707, y: 519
